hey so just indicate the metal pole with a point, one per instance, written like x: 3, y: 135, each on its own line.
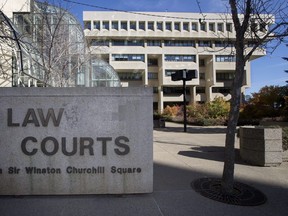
x: 184, y: 101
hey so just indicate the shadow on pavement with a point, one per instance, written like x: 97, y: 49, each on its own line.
x: 215, y: 153
x: 194, y: 130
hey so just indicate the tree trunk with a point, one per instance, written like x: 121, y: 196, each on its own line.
x: 229, y: 160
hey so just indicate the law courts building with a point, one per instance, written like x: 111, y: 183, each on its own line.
x: 143, y: 48
x: 146, y: 48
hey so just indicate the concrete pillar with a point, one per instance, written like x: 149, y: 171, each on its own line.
x: 192, y: 95
x: 160, y: 99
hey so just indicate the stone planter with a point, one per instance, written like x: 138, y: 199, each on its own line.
x: 261, y: 146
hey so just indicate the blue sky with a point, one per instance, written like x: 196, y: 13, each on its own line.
x: 268, y: 70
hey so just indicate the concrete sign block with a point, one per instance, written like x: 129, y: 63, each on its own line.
x: 261, y: 146
x: 76, y: 141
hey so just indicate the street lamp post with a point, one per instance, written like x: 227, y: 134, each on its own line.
x: 184, y: 75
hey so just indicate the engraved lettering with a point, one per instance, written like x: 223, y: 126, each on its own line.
x: 10, y: 122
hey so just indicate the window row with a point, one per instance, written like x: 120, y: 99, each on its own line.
x: 225, y: 58
x: 222, y: 90
x: 130, y: 76
x: 224, y: 76
x: 169, y: 58
x: 125, y: 76
x: 166, y: 43
x: 180, y: 58
x: 158, y: 25
x: 128, y: 57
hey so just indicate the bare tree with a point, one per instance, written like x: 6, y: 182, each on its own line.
x: 251, y: 19
x: 54, y: 42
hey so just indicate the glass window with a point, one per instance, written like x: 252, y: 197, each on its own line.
x: 220, y: 27
x: 124, y: 25
x: 229, y: 27
x: 97, y: 25
x: 222, y: 76
x: 105, y: 25
x: 87, y: 25
x: 168, y: 26
x: 128, y: 57
x: 205, y: 44
x: 186, y: 26
x: 180, y: 58
x: 154, y: 43
x: 194, y: 26
x: 133, y: 25
x: 169, y: 72
x: 128, y: 42
x: 142, y: 26
x: 160, y: 26
x: 211, y: 26
x: 182, y: 43
x: 203, y: 26
x: 115, y: 25
x: 177, y: 26
x: 151, y: 26
x: 130, y: 76
x: 225, y: 58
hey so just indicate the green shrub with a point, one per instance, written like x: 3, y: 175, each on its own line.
x: 218, y: 108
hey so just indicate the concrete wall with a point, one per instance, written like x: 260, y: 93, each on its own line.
x: 76, y: 141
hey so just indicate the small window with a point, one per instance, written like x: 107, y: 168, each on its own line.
x: 205, y: 44
x: 177, y: 26
x: 142, y: 26
x: 87, y: 25
x: 115, y: 25
x: 186, y: 26
x: 97, y: 25
x: 168, y: 26
x: 133, y: 25
x: 154, y: 43
x: 194, y: 26
x: 151, y: 26
x: 229, y: 27
x: 211, y: 27
x: 203, y: 26
x: 124, y: 25
x: 105, y: 25
x: 160, y: 26
x: 220, y: 27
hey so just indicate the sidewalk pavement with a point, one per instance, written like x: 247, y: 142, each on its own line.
x: 179, y: 158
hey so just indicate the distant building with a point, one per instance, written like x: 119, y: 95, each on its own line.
x: 146, y: 48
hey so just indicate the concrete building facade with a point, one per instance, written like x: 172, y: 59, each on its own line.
x: 146, y: 48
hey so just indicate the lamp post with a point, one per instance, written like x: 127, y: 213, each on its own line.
x: 184, y: 75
